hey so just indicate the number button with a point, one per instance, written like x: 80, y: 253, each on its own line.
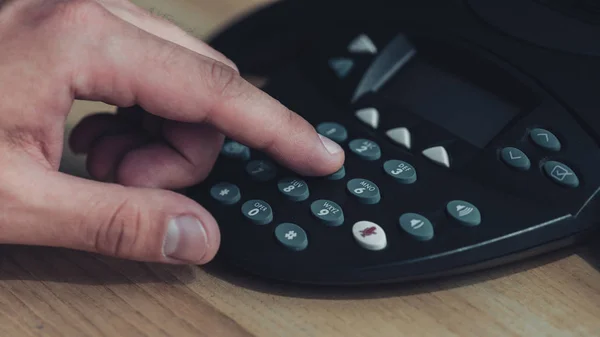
x: 261, y: 170
x: 339, y: 174
x: 294, y: 189
x: 400, y: 170
x: 366, y: 191
x: 365, y: 149
x: 235, y: 150
x: 258, y: 211
x: 328, y: 211
x: 333, y: 131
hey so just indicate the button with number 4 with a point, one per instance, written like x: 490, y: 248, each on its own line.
x: 293, y: 189
x: 258, y: 211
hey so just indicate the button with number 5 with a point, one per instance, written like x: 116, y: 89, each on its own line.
x: 258, y: 211
x: 402, y: 171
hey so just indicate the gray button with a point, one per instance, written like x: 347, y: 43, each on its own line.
x: 366, y: 191
x: 464, y: 212
x: 339, y: 174
x: 365, y: 149
x: 261, y: 170
x: 333, y: 131
x: 328, y: 211
x: 362, y: 44
x: 226, y: 193
x: 258, y: 211
x: 235, y: 150
x: 417, y: 226
x: 341, y: 66
x: 438, y: 155
x: 561, y: 174
x: 291, y: 236
x: 400, y: 170
x: 369, y: 116
x: 294, y: 189
x: 515, y: 158
x: 400, y: 136
x: 545, y: 139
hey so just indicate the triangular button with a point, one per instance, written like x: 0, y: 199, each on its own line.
x: 362, y: 45
x: 369, y: 116
x: 400, y: 136
x: 438, y: 155
x: 341, y: 66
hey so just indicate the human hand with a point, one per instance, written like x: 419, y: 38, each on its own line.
x: 55, y: 51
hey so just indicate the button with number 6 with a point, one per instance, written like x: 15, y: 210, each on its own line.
x: 366, y: 191
x: 293, y: 189
x: 258, y: 211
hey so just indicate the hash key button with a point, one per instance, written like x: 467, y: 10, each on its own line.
x: 369, y: 235
x: 328, y: 212
x: 417, y: 226
x: 366, y: 191
x: 464, y: 213
x: 561, y: 174
x: 258, y: 211
x: 291, y: 236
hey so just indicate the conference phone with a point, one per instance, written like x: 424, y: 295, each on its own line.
x: 470, y: 128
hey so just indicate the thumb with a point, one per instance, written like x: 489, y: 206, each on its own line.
x: 58, y: 210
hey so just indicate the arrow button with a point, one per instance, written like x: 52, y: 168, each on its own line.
x: 515, y: 158
x: 545, y: 139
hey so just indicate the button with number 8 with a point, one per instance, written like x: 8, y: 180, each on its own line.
x: 294, y: 189
x: 258, y: 211
x: 400, y: 170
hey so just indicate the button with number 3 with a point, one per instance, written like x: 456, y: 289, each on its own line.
x: 402, y: 171
x: 294, y: 189
x: 258, y: 211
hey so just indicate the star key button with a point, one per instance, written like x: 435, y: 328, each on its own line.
x: 369, y: 235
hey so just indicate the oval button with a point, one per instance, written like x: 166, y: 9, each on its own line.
x: 561, y: 174
x: 400, y: 170
x: 417, y: 226
x: 515, y: 158
x: 328, y: 212
x: 258, y: 211
x: 369, y: 235
x: 366, y: 191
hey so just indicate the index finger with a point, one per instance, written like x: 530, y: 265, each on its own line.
x: 176, y: 83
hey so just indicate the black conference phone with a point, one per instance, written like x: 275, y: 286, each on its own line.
x: 470, y: 127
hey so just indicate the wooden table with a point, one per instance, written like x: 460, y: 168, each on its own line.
x: 50, y: 292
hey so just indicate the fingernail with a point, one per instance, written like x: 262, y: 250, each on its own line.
x: 331, y: 146
x: 185, y: 239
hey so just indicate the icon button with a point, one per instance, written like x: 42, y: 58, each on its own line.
x: 417, y: 226
x: 291, y: 236
x: 400, y: 136
x: 464, y: 213
x: 225, y: 193
x: 561, y: 174
x: 362, y: 44
x: 438, y: 155
x: 545, y: 139
x: 369, y: 235
x: 341, y: 66
x: 515, y: 158
x: 369, y: 116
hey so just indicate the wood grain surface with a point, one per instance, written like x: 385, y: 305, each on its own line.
x: 56, y: 292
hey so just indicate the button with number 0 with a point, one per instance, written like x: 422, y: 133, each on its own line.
x: 258, y: 211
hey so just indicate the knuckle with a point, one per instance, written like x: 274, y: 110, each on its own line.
x: 223, y: 80
x: 117, y: 236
